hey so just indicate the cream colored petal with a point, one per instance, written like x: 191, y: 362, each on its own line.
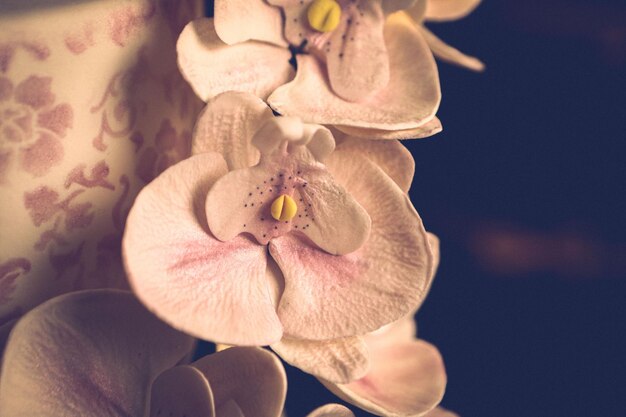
x: 410, y: 99
x: 441, y: 412
x: 331, y: 410
x: 181, y: 391
x: 213, y: 67
x: 338, y: 360
x: 241, y: 20
x: 252, y: 377
x: 418, y: 11
x: 229, y: 409
x: 390, y: 6
x: 405, y: 380
x: 214, y: 290
x: 447, y: 53
x: 227, y: 125
x: 90, y: 353
x: 330, y: 296
x: 443, y: 10
x: 391, y: 156
x: 356, y: 54
x: 429, y: 129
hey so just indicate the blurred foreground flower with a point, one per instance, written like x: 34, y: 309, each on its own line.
x: 370, y: 75
x: 100, y: 353
x: 336, y: 221
x: 443, y: 11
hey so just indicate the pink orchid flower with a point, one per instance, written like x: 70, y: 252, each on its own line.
x: 444, y: 11
x: 372, y: 76
x: 100, y: 353
x: 278, y: 234
x: 387, y: 372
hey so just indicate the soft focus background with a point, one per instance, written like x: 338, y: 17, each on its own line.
x: 525, y: 187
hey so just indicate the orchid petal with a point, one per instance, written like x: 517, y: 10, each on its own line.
x: 391, y: 156
x: 396, y: 333
x: 426, y: 130
x: 331, y: 410
x: 449, y: 54
x: 443, y: 10
x: 230, y: 409
x: 418, y: 11
x: 390, y: 6
x: 337, y: 360
x: 358, y: 43
x: 290, y: 165
x: 213, y: 67
x: 440, y: 412
x: 433, y: 242
x: 405, y: 380
x: 213, y: 290
x: 181, y: 391
x: 241, y: 20
x: 90, y: 353
x: 252, y: 377
x: 330, y: 296
x: 296, y: 27
x: 410, y: 99
x: 227, y: 124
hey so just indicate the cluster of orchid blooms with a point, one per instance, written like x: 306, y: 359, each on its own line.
x: 289, y: 225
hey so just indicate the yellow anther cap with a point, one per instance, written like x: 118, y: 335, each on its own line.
x: 324, y: 15
x: 284, y: 208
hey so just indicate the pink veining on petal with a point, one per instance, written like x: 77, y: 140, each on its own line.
x: 58, y: 119
x: 35, y: 92
x: 38, y: 158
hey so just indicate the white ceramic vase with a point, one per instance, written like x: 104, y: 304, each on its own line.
x: 92, y: 107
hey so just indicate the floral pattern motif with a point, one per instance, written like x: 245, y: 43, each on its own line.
x: 32, y: 121
x: 169, y: 148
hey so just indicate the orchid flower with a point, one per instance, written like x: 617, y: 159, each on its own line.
x: 443, y: 11
x: 372, y: 75
x: 278, y: 234
x: 387, y: 372
x: 100, y: 353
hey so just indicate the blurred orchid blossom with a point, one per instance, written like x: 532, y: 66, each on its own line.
x: 100, y: 353
x: 443, y: 11
x: 195, y: 241
x: 372, y: 76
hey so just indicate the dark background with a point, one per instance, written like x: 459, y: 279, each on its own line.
x: 525, y: 187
